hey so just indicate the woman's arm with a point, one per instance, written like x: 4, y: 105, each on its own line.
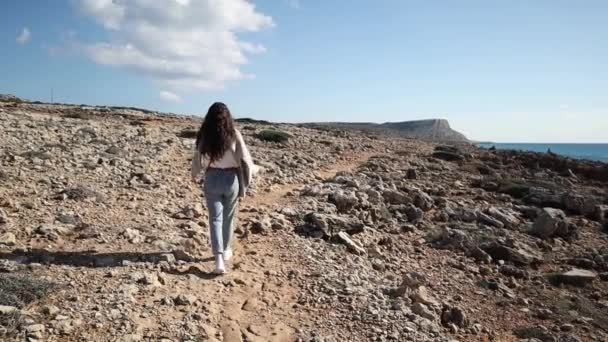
x: 195, y: 168
x: 245, y: 155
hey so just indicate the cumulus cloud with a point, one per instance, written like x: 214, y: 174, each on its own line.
x: 170, y: 97
x: 25, y: 36
x: 184, y: 44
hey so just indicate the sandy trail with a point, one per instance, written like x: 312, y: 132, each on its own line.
x: 261, y: 308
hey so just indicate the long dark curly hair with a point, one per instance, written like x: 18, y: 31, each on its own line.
x: 217, y: 132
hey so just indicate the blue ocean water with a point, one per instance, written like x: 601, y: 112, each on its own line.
x: 598, y: 152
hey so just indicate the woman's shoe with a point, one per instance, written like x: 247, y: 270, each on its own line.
x: 227, y: 254
x: 220, y: 268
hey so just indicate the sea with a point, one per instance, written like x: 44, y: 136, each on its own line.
x: 597, y: 152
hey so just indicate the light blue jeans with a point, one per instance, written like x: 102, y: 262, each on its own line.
x: 221, y: 190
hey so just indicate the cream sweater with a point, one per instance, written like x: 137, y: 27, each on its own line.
x: 228, y: 160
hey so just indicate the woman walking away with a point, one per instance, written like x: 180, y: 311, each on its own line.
x: 221, y: 152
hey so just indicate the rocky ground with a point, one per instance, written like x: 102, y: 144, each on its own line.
x: 346, y: 236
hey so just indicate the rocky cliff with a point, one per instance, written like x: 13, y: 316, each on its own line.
x: 438, y: 130
x: 433, y: 129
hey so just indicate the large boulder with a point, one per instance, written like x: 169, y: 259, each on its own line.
x: 579, y: 204
x: 576, y: 277
x: 516, y: 252
x: 550, y: 223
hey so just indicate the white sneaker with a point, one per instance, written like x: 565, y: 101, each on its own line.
x: 228, y: 254
x: 219, y: 265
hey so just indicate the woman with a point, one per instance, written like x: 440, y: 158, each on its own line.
x: 222, y: 153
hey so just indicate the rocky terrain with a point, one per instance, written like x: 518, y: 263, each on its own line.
x: 346, y: 236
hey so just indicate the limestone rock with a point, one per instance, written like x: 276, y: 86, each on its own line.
x: 423, y: 311
x: 551, y: 222
x: 352, y: 245
x: 575, y: 277
x: 8, y: 239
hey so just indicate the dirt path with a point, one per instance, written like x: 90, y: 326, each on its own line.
x: 258, y: 308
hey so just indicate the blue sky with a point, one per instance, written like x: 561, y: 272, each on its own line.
x: 517, y: 70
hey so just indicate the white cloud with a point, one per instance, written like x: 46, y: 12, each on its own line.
x: 170, y: 97
x: 183, y: 44
x: 25, y: 36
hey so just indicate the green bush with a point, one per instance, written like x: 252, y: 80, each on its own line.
x: 273, y: 136
x: 188, y: 133
x: 513, y: 187
x: 81, y: 115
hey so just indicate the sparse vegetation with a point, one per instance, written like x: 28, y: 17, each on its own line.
x: 18, y: 291
x: 21, y: 290
x: 271, y: 135
x: 513, y: 187
x: 252, y: 121
x: 188, y: 133
x: 79, y: 115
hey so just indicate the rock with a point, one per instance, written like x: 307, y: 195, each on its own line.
x: 3, y: 217
x: 352, y: 245
x: 5, y: 310
x: 260, y: 226
x: 8, y: 239
x: 397, y: 197
x: 579, y: 204
x: 35, y: 328
x: 483, y: 218
x: 508, y: 219
x: 131, y: 338
x: 454, y: 315
x: 115, y: 150
x: 146, y: 278
x: 412, y: 174
x: 190, y: 212
x: 50, y: 310
x: 411, y: 281
x: 480, y: 255
x: 601, y: 213
x: 185, y: 300
x: 566, y: 327
x: 413, y: 213
x: 344, y: 201
x: 421, y: 295
x: 551, y: 222
x: 423, y: 201
x: 512, y: 271
x: 167, y: 257
x: 575, y: 277
x: 80, y: 193
x: 54, y: 230
x: 133, y: 235
x: 534, y: 333
x: 323, y: 225
x: 544, y: 313
x: 516, y: 252
x: 423, y: 311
